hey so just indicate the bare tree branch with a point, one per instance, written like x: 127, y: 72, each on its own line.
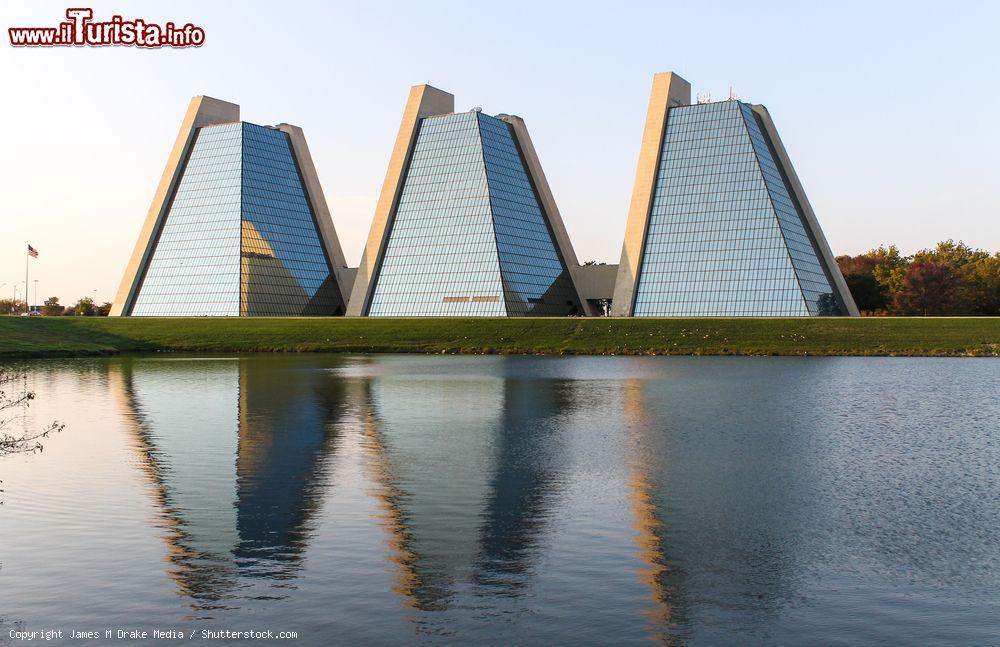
x: 26, y: 442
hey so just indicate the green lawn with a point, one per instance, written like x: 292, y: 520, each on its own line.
x: 66, y: 336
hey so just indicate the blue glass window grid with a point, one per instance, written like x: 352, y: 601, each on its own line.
x: 194, y: 269
x: 239, y: 237
x: 285, y: 268
x: 468, y: 237
x: 440, y: 258
x: 536, y: 281
x: 714, y: 245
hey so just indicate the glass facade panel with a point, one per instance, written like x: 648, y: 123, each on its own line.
x: 535, y: 280
x: 240, y: 237
x: 285, y: 271
x: 468, y: 237
x: 714, y: 245
x: 441, y: 258
x: 194, y: 269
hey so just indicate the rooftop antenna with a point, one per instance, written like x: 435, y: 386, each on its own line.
x: 477, y: 109
x: 704, y: 97
x: 732, y: 94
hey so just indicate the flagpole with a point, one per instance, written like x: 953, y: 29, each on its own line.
x: 27, y: 257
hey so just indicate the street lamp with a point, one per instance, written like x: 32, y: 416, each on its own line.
x: 36, y: 292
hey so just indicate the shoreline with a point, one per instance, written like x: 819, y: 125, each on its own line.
x: 27, y: 338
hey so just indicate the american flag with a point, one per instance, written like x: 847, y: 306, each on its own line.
x: 32, y: 252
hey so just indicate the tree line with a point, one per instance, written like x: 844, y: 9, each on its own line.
x: 951, y: 279
x: 85, y: 307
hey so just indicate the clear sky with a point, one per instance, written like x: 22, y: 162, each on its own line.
x: 888, y: 109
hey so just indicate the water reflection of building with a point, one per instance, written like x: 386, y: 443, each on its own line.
x: 526, y: 481
x: 235, y: 458
x: 464, y: 505
x: 710, y: 504
x: 645, y: 464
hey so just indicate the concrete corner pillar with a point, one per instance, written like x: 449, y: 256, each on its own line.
x: 424, y: 101
x: 669, y: 90
x: 202, y: 111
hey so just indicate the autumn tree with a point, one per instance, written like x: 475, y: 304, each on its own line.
x: 972, y: 268
x: 84, y: 307
x: 951, y: 278
x: 981, y: 286
x: 11, y: 306
x: 873, y: 277
x: 52, y: 307
x: 928, y: 289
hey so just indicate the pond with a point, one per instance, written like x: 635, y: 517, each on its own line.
x: 383, y: 498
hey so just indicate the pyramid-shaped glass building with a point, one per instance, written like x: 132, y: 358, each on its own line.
x: 236, y: 232
x: 470, y: 229
x: 719, y: 224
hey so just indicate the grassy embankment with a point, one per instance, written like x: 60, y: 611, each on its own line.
x: 69, y: 336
